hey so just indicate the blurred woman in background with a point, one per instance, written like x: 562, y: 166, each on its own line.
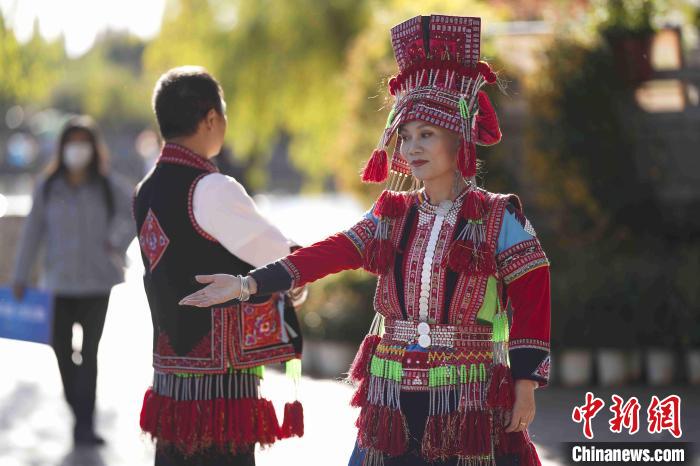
x: 81, y: 214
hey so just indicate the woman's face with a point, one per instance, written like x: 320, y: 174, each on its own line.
x: 78, y: 151
x: 431, y: 151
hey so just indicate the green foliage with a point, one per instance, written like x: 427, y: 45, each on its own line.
x: 28, y: 70
x: 107, y: 83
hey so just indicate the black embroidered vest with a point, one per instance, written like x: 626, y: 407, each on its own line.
x: 175, y: 249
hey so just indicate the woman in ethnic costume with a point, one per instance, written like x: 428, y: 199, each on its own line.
x: 443, y: 377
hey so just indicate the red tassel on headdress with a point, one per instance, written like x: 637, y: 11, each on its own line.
x: 466, y: 159
x: 488, y: 131
x: 293, y: 424
x: 359, y: 370
x: 500, y: 391
x: 377, y: 168
x: 379, y: 255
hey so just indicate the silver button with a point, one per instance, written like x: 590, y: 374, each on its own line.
x: 423, y: 328
x: 424, y: 341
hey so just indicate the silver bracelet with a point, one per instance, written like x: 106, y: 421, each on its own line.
x: 245, y: 288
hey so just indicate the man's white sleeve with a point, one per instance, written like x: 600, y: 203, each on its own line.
x: 224, y: 210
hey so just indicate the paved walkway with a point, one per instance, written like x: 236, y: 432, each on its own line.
x: 35, y: 423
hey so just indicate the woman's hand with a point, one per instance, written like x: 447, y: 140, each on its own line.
x: 222, y: 287
x: 523, y: 411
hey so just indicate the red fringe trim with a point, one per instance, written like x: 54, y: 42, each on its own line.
x: 293, y: 424
x: 379, y: 254
x: 383, y: 429
x: 377, y: 168
x: 500, y: 392
x: 482, y: 68
x: 190, y: 426
x: 459, y: 433
x: 518, y: 443
x: 359, y: 370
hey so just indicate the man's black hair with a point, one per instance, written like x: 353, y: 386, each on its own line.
x: 182, y: 98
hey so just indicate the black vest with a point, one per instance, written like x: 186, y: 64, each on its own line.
x: 175, y: 249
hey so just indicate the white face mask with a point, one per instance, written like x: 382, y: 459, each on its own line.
x: 77, y: 155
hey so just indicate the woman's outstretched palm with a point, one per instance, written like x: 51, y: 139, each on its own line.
x: 221, y: 288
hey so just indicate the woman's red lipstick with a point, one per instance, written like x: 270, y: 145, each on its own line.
x: 418, y: 163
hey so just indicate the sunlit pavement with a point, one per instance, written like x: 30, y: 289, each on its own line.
x: 35, y: 424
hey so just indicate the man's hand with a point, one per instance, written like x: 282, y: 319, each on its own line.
x: 524, y: 407
x: 221, y: 288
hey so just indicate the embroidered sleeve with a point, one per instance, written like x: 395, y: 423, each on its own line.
x: 342, y: 251
x: 529, y: 336
x: 519, y: 251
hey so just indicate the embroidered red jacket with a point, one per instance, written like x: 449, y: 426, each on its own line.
x: 520, y: 265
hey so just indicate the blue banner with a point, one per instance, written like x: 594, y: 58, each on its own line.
x: 29, y: 319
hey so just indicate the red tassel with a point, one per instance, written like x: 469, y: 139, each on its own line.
x: 391, y: 432
x: 474, y: 205
x: 359, y: 398
x: 268, y: 427
x: 377, y: 168
x: 488, y: 131
x: 367, y: 425
x: 463, y: 159
x: 393, y: 86
x: 379, y: 254
x: 293, y: 424
x: 471, y: 158
x: 459, y: 256
x: 484, y: 428
x: 431, y: 446
x: 528, y: 454
x: 149, y: 420
x: 483, y: 260
x: 359, y: 369
x: 383, y: 429
x: 390, y: 205
x: 500, y: 391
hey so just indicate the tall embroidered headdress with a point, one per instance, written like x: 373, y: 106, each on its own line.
x: 439, y: 81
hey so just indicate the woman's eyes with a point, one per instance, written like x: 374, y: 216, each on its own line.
x: 424, y: 135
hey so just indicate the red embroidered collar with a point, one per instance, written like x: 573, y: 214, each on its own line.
x: 179, y: 155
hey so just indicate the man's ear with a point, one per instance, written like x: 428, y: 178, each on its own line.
x: 210, y: 119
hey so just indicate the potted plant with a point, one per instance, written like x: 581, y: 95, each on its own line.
x: 629, y: 33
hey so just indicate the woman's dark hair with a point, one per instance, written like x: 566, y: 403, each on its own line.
x: 182, y: 98
x: 96, y: 168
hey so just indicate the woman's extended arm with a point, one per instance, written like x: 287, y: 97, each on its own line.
x: 342, y: 251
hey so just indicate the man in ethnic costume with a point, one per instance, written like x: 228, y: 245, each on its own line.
x: 444, y: 377
x: 204, y: 406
